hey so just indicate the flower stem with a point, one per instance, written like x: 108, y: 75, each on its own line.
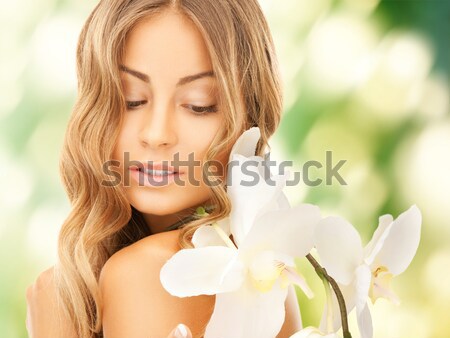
x: 326, y: 286
x: 322, y: 273
x: 224, y: 236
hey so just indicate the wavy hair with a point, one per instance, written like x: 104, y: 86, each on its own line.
x: 101, y: 220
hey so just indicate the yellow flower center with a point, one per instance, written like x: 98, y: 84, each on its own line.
x: 265, y: 270
x: 381, y: 285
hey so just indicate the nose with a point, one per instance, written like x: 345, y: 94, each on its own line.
x: 158, y: 129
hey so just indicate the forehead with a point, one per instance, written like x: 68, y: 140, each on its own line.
x: 168, y: 43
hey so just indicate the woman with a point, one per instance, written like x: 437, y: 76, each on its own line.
x: 159, y: 81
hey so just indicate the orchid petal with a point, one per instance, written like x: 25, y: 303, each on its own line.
x: 339, y: 247
x: 312, y: 332
x: 363, y: 282
x: 192, y: 272
x: 372, y: 248
x: 288, y: 231
x: 248, y: 313
x: 246, y: 144
x: 401, y: 243
x: 365, y: 322
x: 283, y: 202
x: 284, y: 258
x: 307, y: 332
x: 250, y: 195
x: 292, y: 275
x: 280, y: 203
x: 206, y: 235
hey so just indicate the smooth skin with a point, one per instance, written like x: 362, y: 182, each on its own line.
x: 162, y: 121
x: 43, y: 308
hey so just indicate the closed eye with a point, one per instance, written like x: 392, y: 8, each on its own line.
x: 135, y: 104
x: 197, y: 110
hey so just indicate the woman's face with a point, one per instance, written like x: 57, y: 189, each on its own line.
x: 172, y: 114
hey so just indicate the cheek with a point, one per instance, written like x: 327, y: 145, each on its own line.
x: 123, y: 139
x: 200, y: 132
x: 196, y: 139
x: 118, y: 150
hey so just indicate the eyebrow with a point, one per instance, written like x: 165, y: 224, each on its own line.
x: 182, y: 81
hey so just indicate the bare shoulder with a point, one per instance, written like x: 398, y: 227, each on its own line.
x: 140, y: 259
x: 161, y: 244
x: 45, y: 316
x: 135, y: 304
x: 43, y: 282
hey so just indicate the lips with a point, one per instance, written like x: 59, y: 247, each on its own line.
x: 154, y: 175
x: 155, y: 166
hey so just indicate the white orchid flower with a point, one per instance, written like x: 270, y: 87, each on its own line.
x: 313, y: 332
x: 250, y: 282
x: 250, y: 275
x: 250, y: 200
x: 363, y: 273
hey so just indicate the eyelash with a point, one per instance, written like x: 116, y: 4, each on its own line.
x: 134, y: 104
x: 197, y: 110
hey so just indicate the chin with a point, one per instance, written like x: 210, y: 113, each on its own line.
x: 156, y: 206
x: 159, y: 202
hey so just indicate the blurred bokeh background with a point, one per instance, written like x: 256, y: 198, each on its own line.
x: 365, y: 79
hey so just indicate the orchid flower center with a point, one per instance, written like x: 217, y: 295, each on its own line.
x: 264, y: 270
x: 381, y: 285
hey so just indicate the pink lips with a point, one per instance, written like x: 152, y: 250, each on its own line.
x: 155, y: 166
x: 148, y: 180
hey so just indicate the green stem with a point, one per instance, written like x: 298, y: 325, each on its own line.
x: 326, y: 286
x: 322, y: 273
x: 189, y: 218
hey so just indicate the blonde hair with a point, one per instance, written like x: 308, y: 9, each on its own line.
x: 101, y: 220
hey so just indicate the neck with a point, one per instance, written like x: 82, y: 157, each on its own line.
x: 160, y: 223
